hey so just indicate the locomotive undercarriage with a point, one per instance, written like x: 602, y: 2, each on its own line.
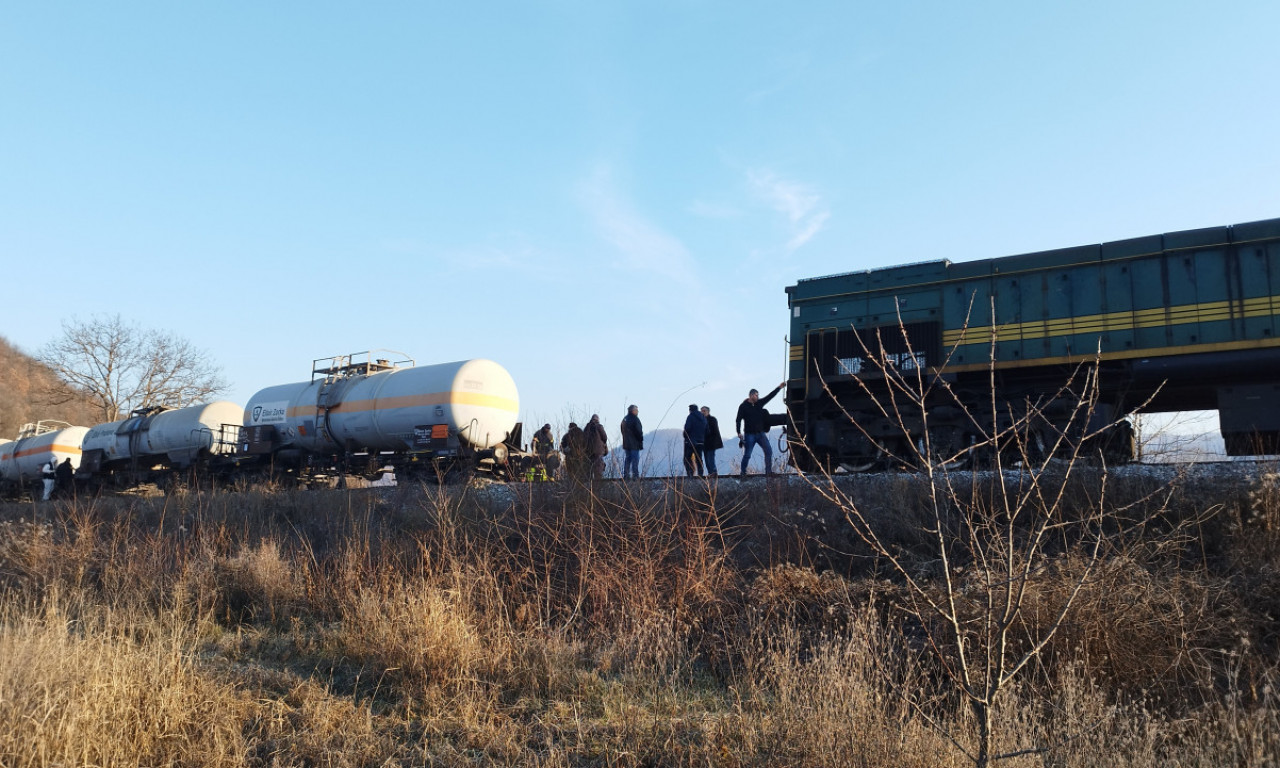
x: 860, y: 427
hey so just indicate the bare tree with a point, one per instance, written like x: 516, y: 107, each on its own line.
x: 123, y: 367
x: 982, y: 609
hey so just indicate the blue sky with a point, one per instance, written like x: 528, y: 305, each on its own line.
x: 606, y: 198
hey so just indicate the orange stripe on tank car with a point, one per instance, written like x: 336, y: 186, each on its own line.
x: 72, y: 449
x: 416, y: 401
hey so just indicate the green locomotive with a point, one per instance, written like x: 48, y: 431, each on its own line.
x: 1174, y: 322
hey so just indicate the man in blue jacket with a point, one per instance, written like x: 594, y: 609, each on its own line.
x: 752, y: 426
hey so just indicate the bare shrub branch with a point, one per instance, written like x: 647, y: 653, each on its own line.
x: 993, y: 535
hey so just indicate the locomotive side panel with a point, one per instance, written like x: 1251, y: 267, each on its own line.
x: 1252, y: 282
x: 1189, y: 315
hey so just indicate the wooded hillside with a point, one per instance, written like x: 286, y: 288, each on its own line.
x: 27, y: 390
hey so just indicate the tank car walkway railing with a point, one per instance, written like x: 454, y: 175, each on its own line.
x: 359, y: 364
x: 33, y: 428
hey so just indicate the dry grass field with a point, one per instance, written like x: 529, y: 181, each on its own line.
x: 677, y: 624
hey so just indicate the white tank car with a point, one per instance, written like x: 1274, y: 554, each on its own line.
x: 175, y: 437
x: 379, y: 407
x: 6, y: 456
x: 21, y: 460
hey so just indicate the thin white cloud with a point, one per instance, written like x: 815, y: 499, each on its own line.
x: 810, y: 226
x: 642, y: 245
x: 709, y: 210
x: 504, y: 254
x: 806, y: 213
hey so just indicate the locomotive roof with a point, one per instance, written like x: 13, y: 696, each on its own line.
x: 943, y: 269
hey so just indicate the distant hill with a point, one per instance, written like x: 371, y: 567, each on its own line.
x: 25, y: 384
x: 661, y: 456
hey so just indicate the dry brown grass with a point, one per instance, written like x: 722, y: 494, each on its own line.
x: 547, y: 625
x: 87, y: 685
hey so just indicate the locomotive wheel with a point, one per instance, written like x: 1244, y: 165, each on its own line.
x: 947, y: 448
x: 810, y: 461
x: 1037, y: 448
x: 865, y: 466
x: 982, y: 458
x: 1117, y: 444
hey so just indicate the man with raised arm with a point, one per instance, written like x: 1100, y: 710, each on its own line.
x: 752, y: 426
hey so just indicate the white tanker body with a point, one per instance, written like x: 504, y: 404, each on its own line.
x: 174, y: 438
x: 454, y: 409
x: 21, y: 460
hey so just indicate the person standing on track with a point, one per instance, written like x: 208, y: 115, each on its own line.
x: 695, y: 433
x: 49, y: 475
x: 632, y: 442
x: 64, y: 479
x: 712, y: 443
x: 544, y: 448
x: 597, y: 445
x: 752, y: 426
x: 573, y: 446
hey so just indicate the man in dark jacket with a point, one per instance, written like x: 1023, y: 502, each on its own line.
x: 543, y: 441
x: 712, y: 443
x: 544, y: 448
x: 64, y: 479
x: 597, y: 445
x: 574, y: 448
x: 695, y: 433
x: 752, y: 426
x: 632, y: 441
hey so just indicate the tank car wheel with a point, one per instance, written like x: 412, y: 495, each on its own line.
x: 442, y: 471
x: 172, y: 483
